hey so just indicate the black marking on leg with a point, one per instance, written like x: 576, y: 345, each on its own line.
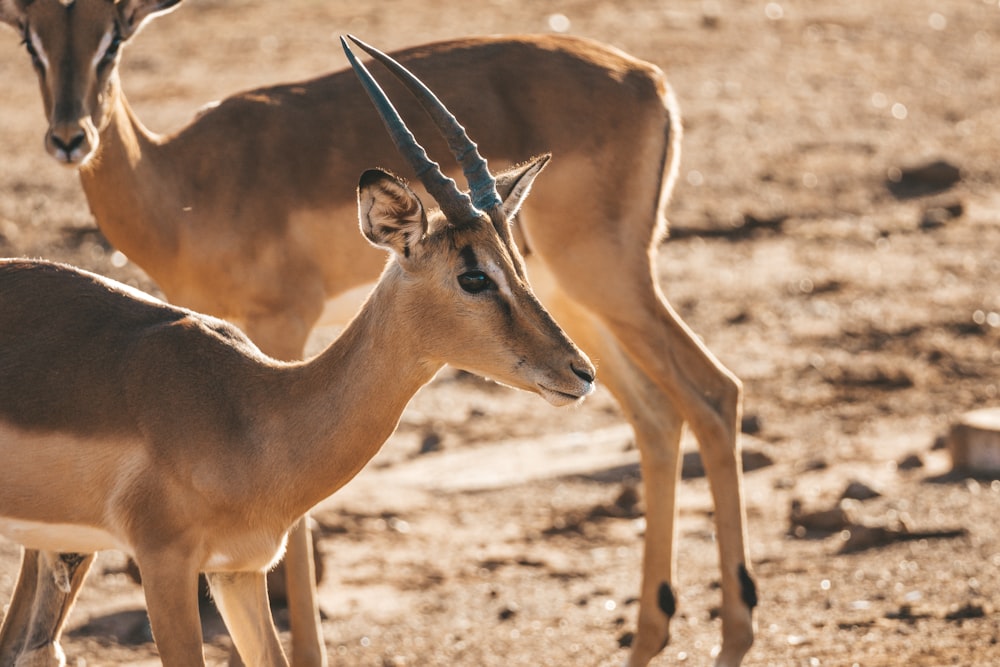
x: 749, y: 588
x: 72, y: 561
x: 666, y: 599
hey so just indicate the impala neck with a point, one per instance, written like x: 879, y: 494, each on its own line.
x: 132, y: 193
x: 339, y: 408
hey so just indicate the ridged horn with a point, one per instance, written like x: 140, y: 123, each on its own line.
x: 481, y: 181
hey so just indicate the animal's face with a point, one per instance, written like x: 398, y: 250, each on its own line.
x: 75, y: 46
x: 464, y: 288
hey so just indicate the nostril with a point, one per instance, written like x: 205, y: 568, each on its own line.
x: 584, y: 374
x: 68, y: 146
x: 75, y: 142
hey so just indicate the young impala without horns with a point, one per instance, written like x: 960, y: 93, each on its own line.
x: 128, y: 423
x: 240, y: 215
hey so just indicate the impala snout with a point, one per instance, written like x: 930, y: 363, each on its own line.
x: 572, y: 386
x: 71, y: 143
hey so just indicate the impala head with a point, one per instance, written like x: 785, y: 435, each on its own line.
x: 74, y: 46
x: 457, y: 266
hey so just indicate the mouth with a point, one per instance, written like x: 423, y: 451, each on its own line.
x: 560, y: 398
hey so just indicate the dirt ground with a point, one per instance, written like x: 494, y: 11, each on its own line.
x: 858, y: 302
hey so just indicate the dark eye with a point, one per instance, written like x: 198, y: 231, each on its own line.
x: 475, y: 282
x: 35, y: 60
x: 112, y: 51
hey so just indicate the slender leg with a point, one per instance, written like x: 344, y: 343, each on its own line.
x: 657, y: 427
x: 60, y: 578
x: 47, y: 588
x: 284, y: 336
x: 709, y: 398
x: 308, y: 649
x: 242, y: 600
x: 170, y: 583
x: 663, y: 376
x: 15, y: 624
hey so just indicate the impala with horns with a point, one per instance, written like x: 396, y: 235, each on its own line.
x: 131, y: 424
x: 238, y: 215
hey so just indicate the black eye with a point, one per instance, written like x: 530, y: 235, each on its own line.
x: 475, y: 282
x: 35, y: 60
x: 112, y: 51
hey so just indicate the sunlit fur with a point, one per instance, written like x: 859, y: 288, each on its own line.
x: 591, y: 231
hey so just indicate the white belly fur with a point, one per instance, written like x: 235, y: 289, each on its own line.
x: 65, y: 538
x: 50, y: 463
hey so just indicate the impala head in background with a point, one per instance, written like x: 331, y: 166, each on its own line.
x: 75, y: 48
x: 495, y: 270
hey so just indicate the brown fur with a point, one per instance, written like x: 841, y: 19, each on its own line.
x: 273, y: 237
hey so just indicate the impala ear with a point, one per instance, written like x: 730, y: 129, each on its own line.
x: 514, y: 184
x: 391, y: 215
x: 133, y: 14
x: 12, y: 13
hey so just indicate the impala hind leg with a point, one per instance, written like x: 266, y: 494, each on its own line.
x: 663, y: 376
x: 242, y: 600
x: 18, y: 617
x: 709, y: 398
x: 47, y: 587
x: 657, y: 427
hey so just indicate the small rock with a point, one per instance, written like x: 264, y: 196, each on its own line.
x: 936, y: 216
x: 861, y: 537
x: 750, y: 424
x: 431, y: 443
x: 752, y: 459
x: 923, y: 179
x: 813, y: 465
x: 910, y: 462
x: 859, y: 491
x: 508, y: 612
x: 939, y: 173
x: 968, y: 610
x: 824, y: 521
x: 628, y: 500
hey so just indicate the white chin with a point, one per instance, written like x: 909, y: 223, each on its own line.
x: 557, y: 398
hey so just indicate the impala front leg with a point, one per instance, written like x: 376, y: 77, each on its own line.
x: 303, y: 607
x: 170, y: 583
x: 242, y: 600
x: 284, y: 337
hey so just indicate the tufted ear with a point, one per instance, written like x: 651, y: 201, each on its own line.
x: 514, y: 184
x: 391, y: 215
x: 133, y: 14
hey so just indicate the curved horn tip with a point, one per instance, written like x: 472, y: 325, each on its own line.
x: 346, y: 46
x: 364, y: 45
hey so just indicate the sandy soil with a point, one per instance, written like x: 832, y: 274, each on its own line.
x: 860, y: 308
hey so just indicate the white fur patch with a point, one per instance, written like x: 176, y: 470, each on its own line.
x: 102, y: 48
x: 36, y: 44
x: 62, y: 537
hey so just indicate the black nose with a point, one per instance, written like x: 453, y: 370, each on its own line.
x: 68, y: 146
x: 585, y: 374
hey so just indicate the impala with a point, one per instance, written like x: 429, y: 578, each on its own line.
x: 239, y: 215
x: 128, y: 423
